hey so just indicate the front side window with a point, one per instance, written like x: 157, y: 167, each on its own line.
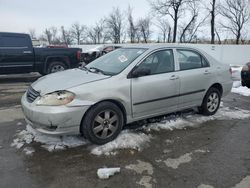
x: 159, y: 62
x: 190, y: 60
x: 116, y: 61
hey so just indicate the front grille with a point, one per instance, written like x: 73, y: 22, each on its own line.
x: 32, y: 95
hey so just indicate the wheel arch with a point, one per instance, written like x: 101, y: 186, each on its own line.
x: 218, y: 86
x: 51, y: 59
x: 116, y: 102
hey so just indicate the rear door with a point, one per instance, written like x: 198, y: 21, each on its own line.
x: 156, y: 93
x: 195, y: 77
x: 16, y: 53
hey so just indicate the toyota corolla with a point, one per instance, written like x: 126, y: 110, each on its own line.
x: 126, y: 85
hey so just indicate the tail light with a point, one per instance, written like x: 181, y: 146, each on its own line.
x: 78, y: 55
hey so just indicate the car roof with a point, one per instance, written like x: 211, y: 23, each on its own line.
x: 157, y: 46
x: 13, y: 34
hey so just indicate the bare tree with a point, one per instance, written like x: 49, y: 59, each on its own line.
x: 144, y: 29
x: 213, y: 14
x: 114, y: 23
x: 165, y: 30
x: 188, y: 31
x: 236, y: 13
x: 172, y: 8
x: 91, y: 35
x: 32, y: 33
x: 131, y: 28
x: 66, y: 36
x: 48, y: 35
x: 100, y: 32
x: 97, y: 34
x: 77, y: 32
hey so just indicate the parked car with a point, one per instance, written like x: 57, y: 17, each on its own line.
x: 94, y: 53
x: 245, y: 75
x: 126, y: 85
x: 236, y: 72
x: 17, y: 55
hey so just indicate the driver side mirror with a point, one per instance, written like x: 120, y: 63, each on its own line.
x: 140, y: 71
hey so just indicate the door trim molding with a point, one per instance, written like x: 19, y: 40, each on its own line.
x: 169, y: 97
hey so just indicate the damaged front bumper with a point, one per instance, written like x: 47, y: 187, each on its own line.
x: 54, y: 120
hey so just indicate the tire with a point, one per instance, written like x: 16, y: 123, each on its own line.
x: 102, y: 123
x: 56, y: 67
x: 211, y: 102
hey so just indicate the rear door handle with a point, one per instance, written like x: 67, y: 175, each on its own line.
x: 27, y: 52
x: 207, y: 72
x: 174, y: 77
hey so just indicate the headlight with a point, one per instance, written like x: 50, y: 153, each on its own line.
x: 57, y: 98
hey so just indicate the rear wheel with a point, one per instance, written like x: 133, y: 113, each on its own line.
x: 211, y: 102
x: 102, y: 123
x: 56, y: 67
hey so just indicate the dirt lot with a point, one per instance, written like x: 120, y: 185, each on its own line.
x: 212, y: 152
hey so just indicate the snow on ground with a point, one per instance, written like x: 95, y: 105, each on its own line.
x: 48, y: 142
x: 193, y: 120
x: 128, y: 139
x: 237, y: 88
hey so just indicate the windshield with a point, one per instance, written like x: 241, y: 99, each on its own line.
x: 115, y: 62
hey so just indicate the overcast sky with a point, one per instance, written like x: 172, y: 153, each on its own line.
x: 22, y: 15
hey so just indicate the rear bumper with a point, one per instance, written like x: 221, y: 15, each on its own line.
x: 54, y: 120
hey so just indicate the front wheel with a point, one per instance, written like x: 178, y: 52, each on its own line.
x: 102, y: 123
x: 211, y: 102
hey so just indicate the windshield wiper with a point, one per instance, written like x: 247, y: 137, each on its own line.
x: 97, y: 70
x: 84, y: 68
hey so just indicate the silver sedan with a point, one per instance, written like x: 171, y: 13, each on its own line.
x: 126, y: 85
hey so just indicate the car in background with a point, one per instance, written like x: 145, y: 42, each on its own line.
x: 94, y: 53
x: 18, y: 55
x: 124, y: 86
x: 245, y: 75
x: 236, y: 72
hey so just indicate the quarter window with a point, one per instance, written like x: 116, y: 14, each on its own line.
x: 190, y: 60
x: 159, y: 62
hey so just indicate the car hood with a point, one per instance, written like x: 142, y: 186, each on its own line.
x: 65, y: 80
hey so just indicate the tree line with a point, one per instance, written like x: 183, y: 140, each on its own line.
x: 168, y: 21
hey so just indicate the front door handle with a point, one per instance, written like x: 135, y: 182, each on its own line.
x: 207, y: 72
x: 27, y: 52
x: 174, y: 77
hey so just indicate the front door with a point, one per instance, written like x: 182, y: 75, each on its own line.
x: 155, y: 93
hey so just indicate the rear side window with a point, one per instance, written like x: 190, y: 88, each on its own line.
x: 190, y: 60
x: 14, y: 41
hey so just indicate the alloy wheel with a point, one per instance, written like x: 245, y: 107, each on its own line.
x: 213, y: 102
x: 105, y: 124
